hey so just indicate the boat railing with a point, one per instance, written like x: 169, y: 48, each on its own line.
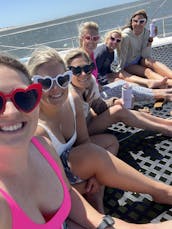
x: 164, y: 25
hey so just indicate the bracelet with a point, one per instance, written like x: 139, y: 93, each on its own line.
x: 107, y: 221
x: 150, y: 39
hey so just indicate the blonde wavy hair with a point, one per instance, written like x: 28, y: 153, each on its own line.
x: 75, y: 53
x: 42, y: 55
x: 109, y: 34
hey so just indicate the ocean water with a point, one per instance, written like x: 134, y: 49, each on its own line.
x: 62, y: 33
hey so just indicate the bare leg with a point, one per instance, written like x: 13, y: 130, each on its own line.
x: 107, y: 141
x: 148, y: 73
x: 158, y: 67
x: 96, y: 200
x: 89, y: 160
x: 143, y: 71
x: 162, y: 93
x: 120, y: 224
x: 150, y: 83
x: 91, y: 219
x: 73, y: 225
x: 124, y: 225
x: 110, y: 143
x: 118, y: 113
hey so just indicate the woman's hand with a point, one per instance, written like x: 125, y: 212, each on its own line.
x: 92, y: 186
x: 119, y: 102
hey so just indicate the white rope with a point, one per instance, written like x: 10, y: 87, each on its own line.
x: 73, y: 20
x: 157, y: 9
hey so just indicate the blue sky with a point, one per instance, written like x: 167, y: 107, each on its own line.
x: 24, y: 12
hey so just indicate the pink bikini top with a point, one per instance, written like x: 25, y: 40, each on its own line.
x: 21, y: 220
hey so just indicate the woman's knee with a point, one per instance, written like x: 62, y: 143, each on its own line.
x: 82, y: 155
x: 107, y: 141
x: 115, y: 146
x: 148, y: 71
x: 82, y: 160
x: 111, y: 144
x: 148, y: 62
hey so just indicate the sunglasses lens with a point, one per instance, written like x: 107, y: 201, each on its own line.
x: 115, y: 39
x: 63, y: 81
x: 95, y: 38
x: 1, y: 103
x: 26, y: 101
x: 88, y: 38
x: 76, y: 71
x: 142, y: 21
x: 46, y: 83
x: 88, y: 68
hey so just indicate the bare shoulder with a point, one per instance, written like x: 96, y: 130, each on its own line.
x: 40, y: 131
x: 5, y: 214
x: 77, y: 102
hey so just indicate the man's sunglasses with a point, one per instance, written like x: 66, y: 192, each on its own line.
x: 114, y: 39
x: 91, y: 38
x: 140, y: 21
x: 62, y: 80
x: 23, y: 99
x: 87, y: 69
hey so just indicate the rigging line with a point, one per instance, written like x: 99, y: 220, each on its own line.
x: 81, y: 18
x: 34, y: 45
x: 12, y: 48
x: 155, y: 12
x: 16, y: 47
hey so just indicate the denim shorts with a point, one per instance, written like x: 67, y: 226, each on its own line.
x: 64, y: 226
x: 114, y: 90
x: 71, y: 177
x: 135, y: 61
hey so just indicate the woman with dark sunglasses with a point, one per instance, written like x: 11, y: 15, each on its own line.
x: 112, y: 78
x: 108, y: 57
x: 136, y: 51
x: 63, y: 122
x: 107, y: 112
x: 106, y: 54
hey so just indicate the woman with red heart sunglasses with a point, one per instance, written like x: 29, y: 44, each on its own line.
x: 63, y: 122
x: 34, y: 192
x: 27, y: 165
